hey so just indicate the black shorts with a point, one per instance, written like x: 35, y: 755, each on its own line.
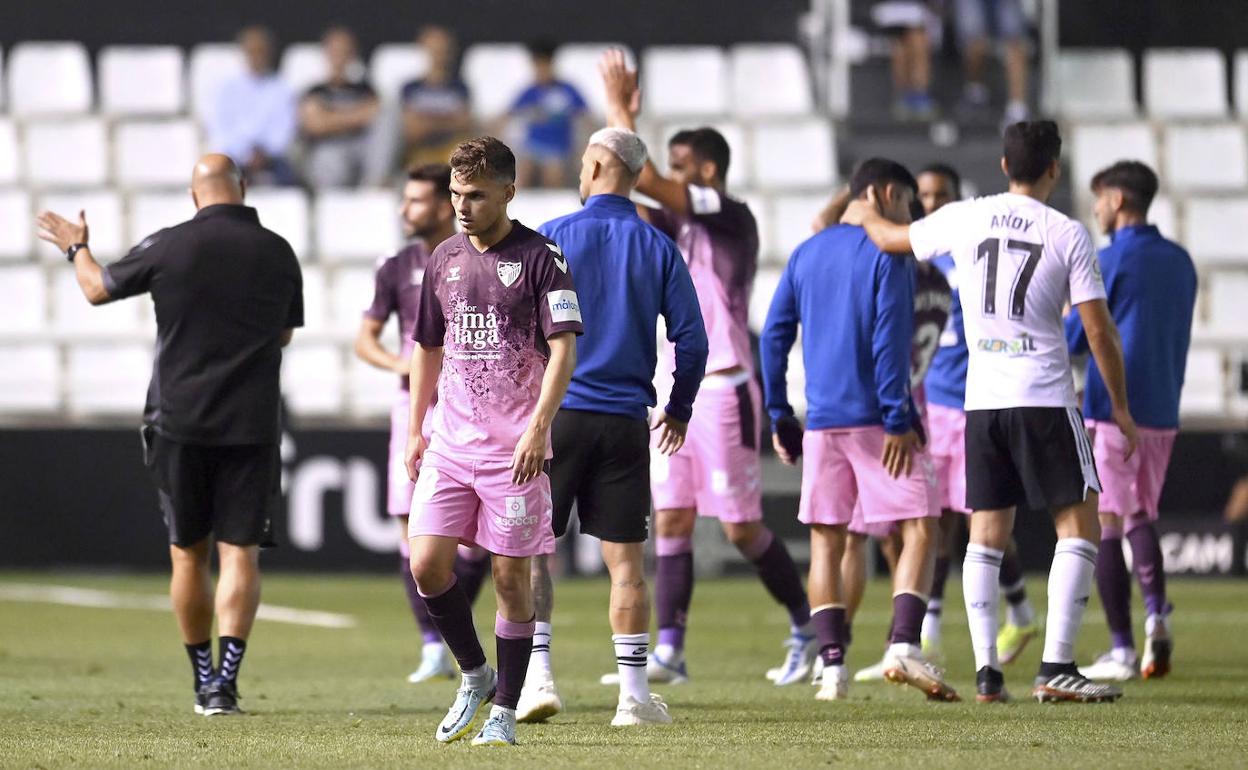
x: 602, y: 463
x: 1038, y: 457
x: 225, y: 491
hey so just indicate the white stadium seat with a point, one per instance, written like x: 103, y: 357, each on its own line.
x: 315, y: 299
x: 351, y: 293
x: 1240, y: 79
x: 30, y: 380
x: 791, y: 216
x: 739, y: 165
x: 355, y: 225
x: 765, y: 282
x: 284, y: 210
x: 772, y: 154
x: 67, y: 153
x: 1206, y: 157
x: 303, y: 66
x: 760, y: 207
x: 394, y: 65
x: 1185, y: 83
x: 24, y: 297
x: 49, y: 79
x: 211, y: 65
x: 371, y: 392
x: 577, y: 63
x: 1162, y: 214
x: 1228, y: 302
x: 312, y: 378
x: 534, y: 208
x: 684, y: 81
x: 1095, y: 146
x: 1095, y: 83
x: 10, y: 154
x: 104, y: 217
x: 17, y: 227
x: 1204, y: 386
x: 155, y: 153
x: 2, y: 84
x: 72, y: 315
x: 109, y: 379
x: 496, y: 73
x: 154, y: 211
x: 142, y: 80
x: 1215, y: 230
x: 770, y: 79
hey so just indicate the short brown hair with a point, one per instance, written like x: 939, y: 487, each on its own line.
x: 1136, y: 181
x: 484, y: 156
x: 438, y: 174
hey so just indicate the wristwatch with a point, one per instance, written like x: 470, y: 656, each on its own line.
x: 73, y: 250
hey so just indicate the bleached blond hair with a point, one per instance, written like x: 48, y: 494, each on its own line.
x: 623, y: 144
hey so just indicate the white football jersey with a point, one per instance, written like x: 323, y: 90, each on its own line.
x: 1019, y: 262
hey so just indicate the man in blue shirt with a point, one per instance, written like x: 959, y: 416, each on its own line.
x: 548, y: 111
x: 856, y: 304
x: 628, y: 274
x: 1151, y: 284
x: 254, y: 118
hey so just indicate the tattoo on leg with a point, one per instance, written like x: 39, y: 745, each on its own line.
x: 543, y: 589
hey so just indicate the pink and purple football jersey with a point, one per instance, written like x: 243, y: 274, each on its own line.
x: 397, y: 291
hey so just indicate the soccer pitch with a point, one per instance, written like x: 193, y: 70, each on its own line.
x: 96, y: 687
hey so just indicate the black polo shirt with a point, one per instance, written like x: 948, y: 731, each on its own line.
x: 225, y: 289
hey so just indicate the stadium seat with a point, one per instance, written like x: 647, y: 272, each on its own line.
x: 770, y: 79
x: 211, y: 65
x: 739, y: 165
x: 312, y: 378
x: 772, y: 156
x: 765, y: 283
x: 155, y: 153
x: 760, y: 207
x: 1240, y: 76
x: 10, y: 155
x: 104, y: 216
x: 577, y: 63
x: 17, y: 229
x: 66, y: 153
x: 284, y: 210
x: 355, y: 225
x: 1095, y: 83
x: 1206, y: 157
x: 2, y: 83
x: 142, y: 80
x: 1204, y: 386
x: 371, y: 392
x: 394, y: 65
x: 24, y: 297
x: 73, y: 316
x: 684, y: 81
x: 1162, y: 214
x: 49, y: 79
x: 154, y: 211
x: 1228, y: 302
x: 791, y: 215
x: 108, y: 379
x: 534, y: 208
x: 496, y: 73
x: 30, y: 380
x: 351, y: 293
x: 1215, y: 230
x: 1095, y: 146
x: 1185, y: 83
x: 303, y: 66
x: 315, y: 299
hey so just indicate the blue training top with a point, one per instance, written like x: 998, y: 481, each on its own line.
x: 946, y: 379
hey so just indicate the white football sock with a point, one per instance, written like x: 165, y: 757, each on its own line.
x: 1021, y: 614
x: 1070, y: 585
x: 630, y: 658
x: 980, y: 573
x: 930, y: 631
x: 669, y: 654
x: 539, y: 660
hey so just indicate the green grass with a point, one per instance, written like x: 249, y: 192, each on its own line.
x: 110, y: 688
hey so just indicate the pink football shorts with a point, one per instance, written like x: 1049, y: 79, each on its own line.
x: 947, y: 446
x: 1131, y: 485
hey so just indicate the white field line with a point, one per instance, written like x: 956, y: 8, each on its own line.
x: 92, y: 597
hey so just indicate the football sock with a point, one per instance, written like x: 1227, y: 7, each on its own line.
x: 1149, y: 570
x: 514, y: 642
x: 452, y: 615
x: 428, y: 632
x: 231, y: 650
x: 940, y: 574
x: 930, y: 632
x: 539, y: 659
x: 829, y: 623
x: 1019, y: 611
x: 471, y: 570
x: 1070, y: 583
x: 908, y: 612
x: 630, y: 659
x: 780, y: 576
x: 201, y: 662
x: 981, y: 573
x: 1114, y: 584
x: 673, y: 589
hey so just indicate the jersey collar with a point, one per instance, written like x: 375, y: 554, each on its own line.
x: 230, y: 210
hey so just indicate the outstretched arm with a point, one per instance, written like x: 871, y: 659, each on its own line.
x: 887, y: 235
x: 62, y: 233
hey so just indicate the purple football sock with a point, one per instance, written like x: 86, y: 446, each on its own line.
x: 1011, y: 580
x: 514, y: 644
x: 452, y: 614
x: 471, y: 572
x: 673, y: 588
x: 1114, y: 584
x: 829, y: 623
x: 908, y: 612
x: 939, y: 575
x: 1149, y: 570
x: 779, y: 575
x: 428, y: 632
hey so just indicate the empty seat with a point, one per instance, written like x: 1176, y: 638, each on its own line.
x: 303, y: 66
x: 534, y: 208
x: 371, y: 392
x: 739, y: 163
x: 66, y: 153
x: 793, y: 154
x: 1206, y: 157
x: 312, y: 378
x: 315, y: 299
x: 30, y: 380
x: 17, y: 228
x: 577, y: 63
x: 211, y: 65
x: 158, y: 153
x: 359, y: 225
x: 350, y: 296
x: 1240, y: 79
x: 1216, y: 229
x: 24, y: 297
x: 10, y: 155
x: 284, y: 210
x: 1228, y: 302
x: 791, y: 216
x: 770, y: 79
x: 765, y: 283
x: 153, y: 211
x: 761, y: 209
x: 1185, y: 83
x: 104, y: 216
x: 73, y: 315
x: 1095, y: 83
x: 1095, y: 146
x: 49, y: 79
x: 394, y: 65
x: 1204, y: 386
x: 109, y: 379
x: 680, y: 81
x: 1162, y: 214
x: 496, y: 73
x: 142, y: 80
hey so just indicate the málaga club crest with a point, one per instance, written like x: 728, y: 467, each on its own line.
x: 508, y: 272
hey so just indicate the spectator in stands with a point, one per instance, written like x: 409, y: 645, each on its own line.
x: 254, y: 119
x: 548, y: 113
x: 906, y: 21
x: 337, y: 119
x: 436, y: 114
x: 1011, y: 30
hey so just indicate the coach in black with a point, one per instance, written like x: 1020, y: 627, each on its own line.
x: 228, y: 294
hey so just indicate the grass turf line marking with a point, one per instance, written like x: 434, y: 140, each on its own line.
x: 92, y: 597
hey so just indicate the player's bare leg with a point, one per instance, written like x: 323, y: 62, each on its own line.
x: 435, y: 659
x: 673, y: 593
x: 854, y: 587
x: 981, y: 589
x: 911, y: 582
x: 629, y: 615
x: 237, y: 599
x: 827, y: 549
x: 540, y: 699
x: 190, y: 592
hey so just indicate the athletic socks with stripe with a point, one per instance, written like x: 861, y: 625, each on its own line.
x: 201, y: 662
x: 981, y: 573
x: 631, y: 651
x: 1070, y: 585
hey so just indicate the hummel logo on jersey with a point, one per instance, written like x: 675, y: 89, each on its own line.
x: 508, y: 272
x: 560, y: 263
x: 454, y: 274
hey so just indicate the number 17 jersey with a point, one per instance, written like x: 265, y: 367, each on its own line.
x: 1019, y: 262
